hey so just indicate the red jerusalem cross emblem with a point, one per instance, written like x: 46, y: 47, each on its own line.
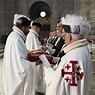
x: 75, y: 72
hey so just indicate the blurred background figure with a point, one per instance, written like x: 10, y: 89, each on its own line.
x: 90, y: 46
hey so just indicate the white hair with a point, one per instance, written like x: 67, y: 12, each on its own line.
x: 78, y: 24
x: 77, y: 36
x: 17, y: 16
x: 31, y: 23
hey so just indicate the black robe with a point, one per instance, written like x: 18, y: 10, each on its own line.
x: 58, y: 47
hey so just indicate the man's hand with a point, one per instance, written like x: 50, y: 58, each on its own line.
x: 44, y: 48
x: 38, y: 62
x: 56, y: 59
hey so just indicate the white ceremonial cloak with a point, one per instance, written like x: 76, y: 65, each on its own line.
x: 33, y: 43
x: 73, y: 75
x: 19, y: 73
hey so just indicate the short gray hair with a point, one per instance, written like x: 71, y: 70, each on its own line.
x: 77, y: 36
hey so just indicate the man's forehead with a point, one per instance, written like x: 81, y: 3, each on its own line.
x: 59, y: 24
x: 63, y: 31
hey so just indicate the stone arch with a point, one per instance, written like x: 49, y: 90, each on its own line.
x: 34, y: 14
x: 37, y: 7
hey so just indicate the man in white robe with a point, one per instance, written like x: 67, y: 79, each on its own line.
x: 33, y: 43
x: 19, y: 73
x: 73, y: 74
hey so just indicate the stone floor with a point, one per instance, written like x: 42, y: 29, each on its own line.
x: 92, y: 89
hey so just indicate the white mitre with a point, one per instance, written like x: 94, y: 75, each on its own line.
x: 78, y: 24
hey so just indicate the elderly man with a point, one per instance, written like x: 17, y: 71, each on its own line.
x: 73, y: 75
x: 19, y: 73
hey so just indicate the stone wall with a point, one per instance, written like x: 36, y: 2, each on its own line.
x: 6, y: 17
x: 58, y: 9
x: 8, y: 7
x: 2, y: 17
x: 86, y: 8
x: 92, y: 16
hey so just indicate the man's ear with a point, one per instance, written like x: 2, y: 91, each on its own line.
x: 69, y: 36
x: 23, y: 28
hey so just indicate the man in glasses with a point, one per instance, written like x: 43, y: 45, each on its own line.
x: 73, y: 74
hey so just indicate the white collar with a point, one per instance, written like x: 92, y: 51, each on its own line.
x: 16, y: 29
x: 75, y: 45
x: 32, y: 30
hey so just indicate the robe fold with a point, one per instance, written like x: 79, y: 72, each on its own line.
x: 33, y: 43
x: 73, y: 75
x: 18, y: 72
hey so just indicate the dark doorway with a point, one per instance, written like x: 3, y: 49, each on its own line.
x: 35, y: 14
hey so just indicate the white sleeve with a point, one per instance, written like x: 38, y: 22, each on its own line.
x: 56, y: 59
x: 52, y: 51
x: 48, y: 75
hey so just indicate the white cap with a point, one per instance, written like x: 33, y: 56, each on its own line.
x: 31, y: 23
x: 17, y: 16
x: 77, y: 24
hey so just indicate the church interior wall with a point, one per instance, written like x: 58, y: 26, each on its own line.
x: 58, y: 9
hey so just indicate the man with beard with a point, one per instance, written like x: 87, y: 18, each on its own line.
x: 19, y: 73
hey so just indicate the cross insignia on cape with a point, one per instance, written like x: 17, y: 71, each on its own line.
x: 72, y: 69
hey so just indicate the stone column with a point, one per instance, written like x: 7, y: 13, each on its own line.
x: 86, y: 8
x: 25, y: 7
x: 92, y: 17
x: 2, y: 17
x: 8, y: 15
x: 61, y: 8
x: 53, y: 16
x: 69, y: 6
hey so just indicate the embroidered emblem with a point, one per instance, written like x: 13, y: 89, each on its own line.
x: 75, y: 72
